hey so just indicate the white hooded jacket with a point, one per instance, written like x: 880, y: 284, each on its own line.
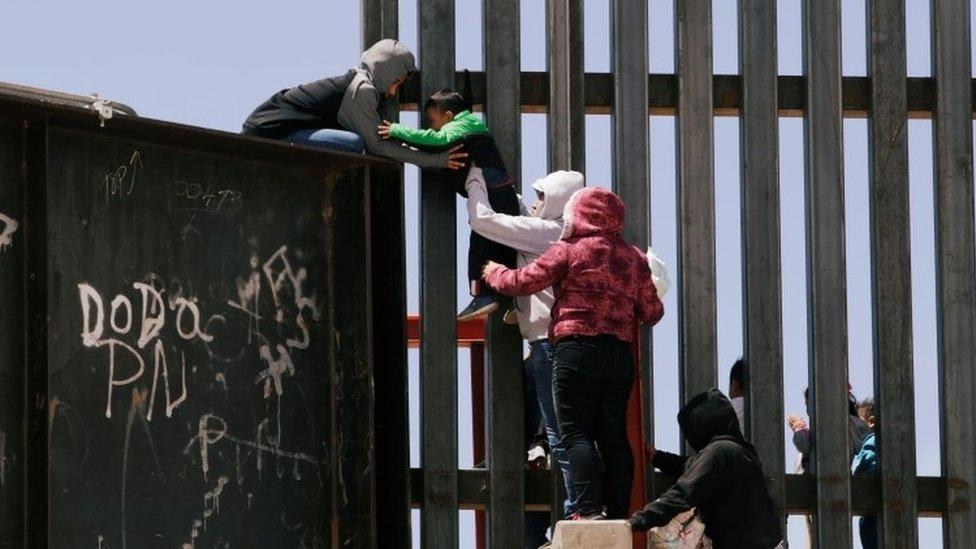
x: 530, y: 235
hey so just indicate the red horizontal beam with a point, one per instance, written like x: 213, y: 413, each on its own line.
x: 468, y: 331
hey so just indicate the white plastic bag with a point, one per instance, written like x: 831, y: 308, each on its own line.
x: 659, y: 273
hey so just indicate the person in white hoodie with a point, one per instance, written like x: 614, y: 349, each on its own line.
x: 531, y: 234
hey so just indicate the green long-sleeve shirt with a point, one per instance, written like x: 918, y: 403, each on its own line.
x: 464, y: 124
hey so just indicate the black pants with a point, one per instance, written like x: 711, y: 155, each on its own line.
x: 592, y: 378
x: 480, y: 250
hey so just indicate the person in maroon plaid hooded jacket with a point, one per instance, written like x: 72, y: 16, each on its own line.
x: 603, y: 288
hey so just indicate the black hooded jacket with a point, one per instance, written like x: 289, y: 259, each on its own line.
x: 725, y: 481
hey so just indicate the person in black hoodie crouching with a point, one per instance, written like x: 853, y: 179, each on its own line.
x: 725, y: 481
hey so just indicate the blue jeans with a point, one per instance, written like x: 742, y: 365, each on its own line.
x: 868, y: 527
x: 333, y: 140
x: 538, y: 379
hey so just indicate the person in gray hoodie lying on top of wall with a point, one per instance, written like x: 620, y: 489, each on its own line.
x: 531, y: 234
x: 343, y: 112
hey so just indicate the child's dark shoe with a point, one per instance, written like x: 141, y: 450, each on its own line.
x: 480, y: 306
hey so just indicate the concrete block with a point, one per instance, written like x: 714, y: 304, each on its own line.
x: 592, y: 534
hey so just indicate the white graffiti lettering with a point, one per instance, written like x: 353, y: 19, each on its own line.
x: 152, y: 320
x: 159, y: 355
x: 153, y: 313
x: 112, y: 382
x: 121, y: 181
x: 8, y: 226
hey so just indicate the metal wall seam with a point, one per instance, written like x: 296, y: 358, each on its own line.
x: 826, y: 265
x: 566, y: 120
x: 631, y: 170
x: 36, y: 451
x: 892, y: 273
x: 696, y: 198
x: 762, y: 298
x: 567, y: 91
x: 379, y: 19
x: 955, y: 269
x: 438, y: 300
x: 505, y: 449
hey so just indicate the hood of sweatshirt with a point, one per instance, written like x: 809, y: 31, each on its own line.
x: 385, y: 61
x: 707, y: 417
x: 556, y: 188
x: 593, y: 211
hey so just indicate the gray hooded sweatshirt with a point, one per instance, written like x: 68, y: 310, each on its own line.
x: 380, y: 66
x: 350, y: 102
x: 530, y: 235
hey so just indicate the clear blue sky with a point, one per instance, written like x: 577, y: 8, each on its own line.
x: 210, y: 63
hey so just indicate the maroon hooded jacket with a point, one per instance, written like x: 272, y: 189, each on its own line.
x: 602, y: 284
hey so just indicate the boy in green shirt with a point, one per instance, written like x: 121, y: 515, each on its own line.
x: 452, y: 123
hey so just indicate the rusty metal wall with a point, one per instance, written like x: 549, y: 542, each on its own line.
x: 759, y: 96
x: 184, y: 355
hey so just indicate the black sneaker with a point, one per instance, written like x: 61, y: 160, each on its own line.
x: 480, y: 306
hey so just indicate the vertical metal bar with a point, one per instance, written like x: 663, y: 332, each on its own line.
x: 503, y: 91
x: 631, y: 171
x: 380, y: 19
x: 566, y: 124
x: 478, y: 428
x: 438, y: 300
x: 956, y: 266
x: 567, y: 90
x: 696, y: 198
x: 763, y: 329
x: 826, y: 270
x: 891, y: 271
x: 506, y: 456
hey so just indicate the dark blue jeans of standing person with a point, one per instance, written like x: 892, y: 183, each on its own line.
x: 540, y: 409
x: 538, y: 370
x: 326, y: 138
x: 868, y: 527
x: 592, y: 378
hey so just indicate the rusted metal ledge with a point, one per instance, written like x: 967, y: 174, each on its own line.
x: 663, y: 94
x: 800, y: 492
x: 185, y: 137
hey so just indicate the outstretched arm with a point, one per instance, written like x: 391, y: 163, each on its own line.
x: 525, y: 234
x: 450, y: 133
x: 698, y: 484
x: 534, y: 277
x: 359, y: 115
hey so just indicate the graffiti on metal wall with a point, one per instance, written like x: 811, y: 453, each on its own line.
x: 8, y: 226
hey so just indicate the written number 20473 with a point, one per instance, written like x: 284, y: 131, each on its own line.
x: 223, y: 201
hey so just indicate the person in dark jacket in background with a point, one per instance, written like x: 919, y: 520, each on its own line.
x: 724, y: 482
x: 866, y: 462
x: 342, y: 112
